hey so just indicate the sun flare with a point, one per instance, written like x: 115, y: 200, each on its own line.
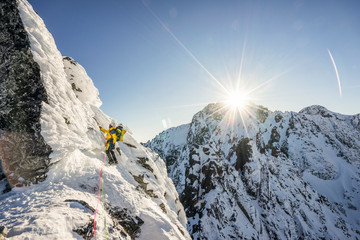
x: 237, y: 101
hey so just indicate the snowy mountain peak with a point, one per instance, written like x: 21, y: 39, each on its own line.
x: 269, y: 175
x: 317, y: 110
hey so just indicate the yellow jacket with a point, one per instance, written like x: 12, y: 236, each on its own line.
x: 111, y: 133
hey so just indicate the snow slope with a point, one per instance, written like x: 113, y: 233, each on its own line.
x: 272, y: 175
x: 137, y: 199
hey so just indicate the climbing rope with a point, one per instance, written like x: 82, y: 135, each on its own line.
x: 103, y: 200
x: 101, y: 186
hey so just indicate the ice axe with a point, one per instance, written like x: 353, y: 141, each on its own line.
x: 96, y: 122
x: 99, y: 127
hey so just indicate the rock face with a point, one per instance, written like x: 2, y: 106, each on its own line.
x: 272, y: 175
x: 23, y: 152
x: 3, y: 232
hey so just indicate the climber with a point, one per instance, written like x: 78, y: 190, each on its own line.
x: 110, y: 144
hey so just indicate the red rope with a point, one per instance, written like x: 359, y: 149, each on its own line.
x: 99, y: 193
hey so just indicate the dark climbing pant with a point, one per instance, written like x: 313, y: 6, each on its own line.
x: 110, y: 146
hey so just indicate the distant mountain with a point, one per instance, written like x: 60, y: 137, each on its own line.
x: 52, y: 152
x: 270, y: 175
x: 170, y: 145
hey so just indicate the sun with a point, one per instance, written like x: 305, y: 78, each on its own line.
x: 237, y: 100
x: 238, y: 107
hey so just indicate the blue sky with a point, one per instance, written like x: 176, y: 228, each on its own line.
x: 158, y: 62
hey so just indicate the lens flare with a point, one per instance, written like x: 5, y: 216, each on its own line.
x: 237, y: 101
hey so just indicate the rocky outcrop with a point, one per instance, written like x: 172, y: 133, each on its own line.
x: 270, y: 175
x: 123, y: 224
x: 3, y: 232
x: 23, y: 152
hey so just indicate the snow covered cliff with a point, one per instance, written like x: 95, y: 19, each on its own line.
x: 52, y: 152
x: 169, y: 145
x: 273, y: 175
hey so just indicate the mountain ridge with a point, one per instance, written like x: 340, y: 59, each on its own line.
x: 270, y: 175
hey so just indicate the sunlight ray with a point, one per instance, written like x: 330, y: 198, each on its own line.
x: 186, y: 105
x: 241, y: 65
x: 217, y: 111
x: 184, y: 47
x: 267, y: 81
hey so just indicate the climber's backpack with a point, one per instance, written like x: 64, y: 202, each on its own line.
x: 118, y: 133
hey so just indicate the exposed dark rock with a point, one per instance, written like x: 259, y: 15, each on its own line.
x: 278, y: 117
x: 86, y: 231
x: 189, y: 197
x: 143, y: 185
x: 3, y: 232
x: 192, y: 155
x: 72, y: 61
x: 243, y: 210
x: 162, y: 206
x: 356, y: 121
x: 261, y: 114
x: 272, y: 144
x: 170, y: 160
x: 129, y: 145
x: 182, y: 232
x: 23, y: 151
x: 243, y: 154
x: 130, y: 224
x: 7, y: 188
x: 208, y: 172
x: 260, y: 143
x: 143, y: 163
x: 85, y: 204
x: 73, y: 86
x: 124, y: 222
x: 67, y: 121
x: 91, y: 189
x: 284, y: 149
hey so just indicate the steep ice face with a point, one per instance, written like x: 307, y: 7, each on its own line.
x: 65, y: 120
x: 137, y: 199
x: 272, y: 175
x: 81, y: 84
